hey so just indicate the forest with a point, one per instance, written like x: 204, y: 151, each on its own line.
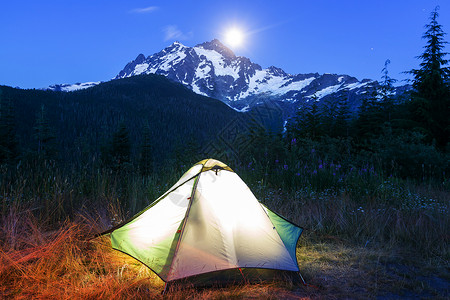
x: 372, y: 183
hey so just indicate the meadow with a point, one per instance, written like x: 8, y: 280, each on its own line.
x: 367, y: 235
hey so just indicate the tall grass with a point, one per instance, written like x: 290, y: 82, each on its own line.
x: 44, y: 252
x: 358, y: 204
x: 37, y: 263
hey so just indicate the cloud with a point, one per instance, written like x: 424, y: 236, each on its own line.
x: 171, y: 32
x: 144, y: 10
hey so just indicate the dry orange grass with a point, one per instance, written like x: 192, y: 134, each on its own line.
x: 63, y: 264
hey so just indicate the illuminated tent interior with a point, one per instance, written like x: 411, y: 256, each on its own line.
x: 209, y: 225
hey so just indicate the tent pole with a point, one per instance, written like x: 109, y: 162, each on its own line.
x: 184, y: 221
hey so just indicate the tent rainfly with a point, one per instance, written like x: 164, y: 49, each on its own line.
x: 208, y: 223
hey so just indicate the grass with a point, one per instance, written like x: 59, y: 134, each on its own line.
x: 37, y: 262
x: 344, y: 270
x: 62, y: 264
x: 365, y: 236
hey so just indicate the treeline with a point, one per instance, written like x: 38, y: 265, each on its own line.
x: 405, y: 135
x: 78, y: 127
x: 119, y: 142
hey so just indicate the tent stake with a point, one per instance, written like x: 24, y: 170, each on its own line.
x: 164, y: 291
x: 245, y: 280
x: 301, y: 277
x: 304, y: 282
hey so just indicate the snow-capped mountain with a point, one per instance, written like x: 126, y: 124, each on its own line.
x: 65, y: 87
x: 213, y: 70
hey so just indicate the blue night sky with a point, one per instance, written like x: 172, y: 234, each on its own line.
x: 47, y: 42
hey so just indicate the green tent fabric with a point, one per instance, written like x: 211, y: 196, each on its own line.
x: 209, y: 221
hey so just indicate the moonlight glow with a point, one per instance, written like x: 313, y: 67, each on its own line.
x: 234, y: 37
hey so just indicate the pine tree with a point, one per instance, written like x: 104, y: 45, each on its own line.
x: 121, y: 149
x: 145, y: 163
x: 44, y: 135
x: 307, y: 122
x: 386, y: 91
x: 8, y: 141
x: 313, y: 121
x: 370, y: 116
x: 329, y: 113
x: 342, y: 125
x: 431, y: 98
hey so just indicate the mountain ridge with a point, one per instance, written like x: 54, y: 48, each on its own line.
x: 211, y: 69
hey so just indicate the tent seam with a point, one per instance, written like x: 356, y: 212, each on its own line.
x: 194, y: 188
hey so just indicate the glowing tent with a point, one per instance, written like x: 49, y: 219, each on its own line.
x: 208, y: 223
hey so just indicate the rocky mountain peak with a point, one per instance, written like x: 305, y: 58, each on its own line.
x: 276, y: 71
x: 217, y: 46
x: 140, y: 59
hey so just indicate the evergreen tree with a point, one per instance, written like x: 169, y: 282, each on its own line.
x: 44, y: 135
x: 370, y: 116
x: 431, y: 98
x: 312, y: 125
x: 295, y: 123
x: 307, y: 122
x: 387, y: 101
x: 8, y: 141
x: 145, y: 163
x: 342, y: 125
x: 121, y: 149
x: 329, y: 113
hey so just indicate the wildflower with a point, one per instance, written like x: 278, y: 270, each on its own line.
x: 285, y: 167
x: 276, y: 160
x: 334, y: 174
x: 315, y: 171
x: 313, y: 150
x: 297, y: 174
x: 320, y: 166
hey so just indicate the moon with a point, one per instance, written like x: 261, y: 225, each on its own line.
x: 234, y: 37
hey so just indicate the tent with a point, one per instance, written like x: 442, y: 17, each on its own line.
x: 209, y: 223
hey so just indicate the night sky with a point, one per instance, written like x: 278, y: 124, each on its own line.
x: 48, y: 42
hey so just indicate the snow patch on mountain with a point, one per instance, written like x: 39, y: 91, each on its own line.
x: 264, y: 83
x: 141, y: 68
x: 65, y: 87
x: 326, y: 91
x: 221, y: 67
